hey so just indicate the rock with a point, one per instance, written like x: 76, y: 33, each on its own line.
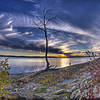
x: 68, y: 90
x: 61, y: 91
x: 75, y: 94
x: 74, y: 88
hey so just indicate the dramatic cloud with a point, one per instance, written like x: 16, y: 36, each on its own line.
x: 77, y: 25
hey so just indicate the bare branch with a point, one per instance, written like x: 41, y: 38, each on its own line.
x: 44, y: 17
x: 41, y: 21
x: 37, y: 25
x: 45, y: 13
x: 50, y: 19
x: 41, y: 28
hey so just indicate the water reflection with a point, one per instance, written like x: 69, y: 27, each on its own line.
x: 64, y: 62
x: 24, y: 65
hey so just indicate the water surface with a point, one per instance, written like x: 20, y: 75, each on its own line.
x: 25, y: 65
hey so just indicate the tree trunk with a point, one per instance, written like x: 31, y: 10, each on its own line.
x: 46, y: 48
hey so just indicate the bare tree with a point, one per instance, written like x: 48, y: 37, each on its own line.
x: 41, y: 23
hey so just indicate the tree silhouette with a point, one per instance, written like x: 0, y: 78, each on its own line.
x: 41, y: 24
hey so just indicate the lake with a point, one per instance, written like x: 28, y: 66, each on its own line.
x: 25, y: 65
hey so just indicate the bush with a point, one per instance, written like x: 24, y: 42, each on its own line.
x: 4, y: 77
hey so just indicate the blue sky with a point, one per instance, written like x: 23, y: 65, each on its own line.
x: 76, y: 27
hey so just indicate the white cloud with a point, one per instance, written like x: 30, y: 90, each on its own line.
x: 27, y: 33
x: 1, y: 16
x: 9, y: 22
x: 54, y: 42
x: 7, y: 29
x: 2, y: 37
x: 81, y: 41
x: 69, y: 28
x: 11, y: 34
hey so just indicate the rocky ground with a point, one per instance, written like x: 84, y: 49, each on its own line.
x: 62, y: 84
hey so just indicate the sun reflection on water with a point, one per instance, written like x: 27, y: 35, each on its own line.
x: 64, y: 62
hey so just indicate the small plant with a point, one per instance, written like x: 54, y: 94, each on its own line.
x: 68, y: 94
x: 4, y: 77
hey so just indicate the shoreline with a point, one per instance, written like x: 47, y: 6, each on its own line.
x: 51, y: 69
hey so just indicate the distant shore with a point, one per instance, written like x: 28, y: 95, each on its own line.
x: 43, y: 56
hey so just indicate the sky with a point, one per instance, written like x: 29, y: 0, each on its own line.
x: 75, y: 28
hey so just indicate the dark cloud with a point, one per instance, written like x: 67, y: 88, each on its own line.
x: 16, y: 43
